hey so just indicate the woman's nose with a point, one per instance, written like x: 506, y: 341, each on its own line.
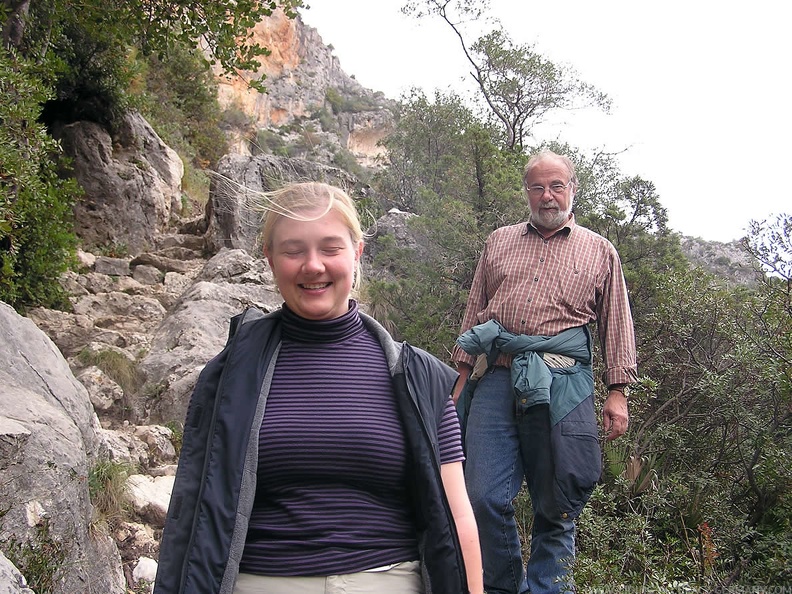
x: 313, y: 262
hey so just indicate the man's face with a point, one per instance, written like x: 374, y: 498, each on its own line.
x: 549, y: 194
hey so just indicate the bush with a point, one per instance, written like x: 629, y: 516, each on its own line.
x: 351, y: 104
x: 37, y: 241
x: 344, y: 159
x: 40, y: 559
x: 269, y: 142
x: 178, y: 96
x: 177, y: 430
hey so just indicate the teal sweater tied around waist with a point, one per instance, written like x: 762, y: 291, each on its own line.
x: 534, y: 382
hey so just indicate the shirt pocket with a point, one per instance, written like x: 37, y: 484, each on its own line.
x: 576, y: 288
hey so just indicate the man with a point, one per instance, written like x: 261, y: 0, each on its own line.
x: 529, y: 402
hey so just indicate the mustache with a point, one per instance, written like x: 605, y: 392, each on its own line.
x: 551, y: 205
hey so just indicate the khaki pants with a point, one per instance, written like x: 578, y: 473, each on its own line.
x: 400, y: 578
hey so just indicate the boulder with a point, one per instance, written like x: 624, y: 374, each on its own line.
x: 150, y: 497
x: 132, y: 183
x: 11, y: 581
x: 196, y: 329
x: 48, y: 440
x: 145, y: 571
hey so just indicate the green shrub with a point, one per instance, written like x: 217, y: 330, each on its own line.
x: 177, y: 429
x: 234, y: 116
x: 350, y: 104
x: 269, y: 142
x: 40, y: 559
x: 326, y: 120
x: 343, y: 159
x: 37, y: 241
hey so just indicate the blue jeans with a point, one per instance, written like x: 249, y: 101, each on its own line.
x: 501, y: 450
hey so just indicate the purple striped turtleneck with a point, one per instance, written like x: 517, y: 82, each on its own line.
x: 331, y: 495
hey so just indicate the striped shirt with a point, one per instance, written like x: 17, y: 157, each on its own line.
x: 332, y: 492
x: 542, y: 286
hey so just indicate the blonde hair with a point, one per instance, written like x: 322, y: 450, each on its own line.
x: 308, y: 201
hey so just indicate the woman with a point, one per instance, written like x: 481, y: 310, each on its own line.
x: 319, y: 455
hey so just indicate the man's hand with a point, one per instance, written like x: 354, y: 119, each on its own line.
x: 615, y: 417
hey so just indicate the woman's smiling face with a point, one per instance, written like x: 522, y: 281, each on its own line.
x: 314, y: 265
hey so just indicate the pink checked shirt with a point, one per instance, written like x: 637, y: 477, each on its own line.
x: 540, y: 287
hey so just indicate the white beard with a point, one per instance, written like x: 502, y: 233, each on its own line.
x: 551, y: 220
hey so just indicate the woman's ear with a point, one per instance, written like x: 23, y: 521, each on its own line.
x: 359, y: 250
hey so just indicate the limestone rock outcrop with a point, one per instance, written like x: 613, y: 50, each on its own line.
x: 48, y: 439
x: 132, y: 183
x: 303, y: 78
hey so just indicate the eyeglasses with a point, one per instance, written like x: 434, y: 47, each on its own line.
x: 556, y: 189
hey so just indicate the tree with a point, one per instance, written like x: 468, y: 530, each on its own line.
x: 518, y: 85
x: 445, y: 166
x: 767, y: 327
x: 628, y: 212
x: 711, y: 424
x: 223, y: 27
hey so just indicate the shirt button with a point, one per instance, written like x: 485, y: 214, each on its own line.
x: 529, y: 299
x: 536, y: 278
x: 523, y: 321
x: 541, y: 259
x: 565, y: 515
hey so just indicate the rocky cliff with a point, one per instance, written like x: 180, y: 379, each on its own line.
x: 307, y: 93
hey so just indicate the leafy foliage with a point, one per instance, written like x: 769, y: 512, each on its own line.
x: 36, y: 240
x: 714, y: 425
x: 341, y: 103
x: 445, y: 167
x: 521, y: 86
x: 40, y: 559
x: 97, y: 34
x: 178, y: 96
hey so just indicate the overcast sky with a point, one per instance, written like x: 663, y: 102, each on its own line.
x: 700, y: 88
